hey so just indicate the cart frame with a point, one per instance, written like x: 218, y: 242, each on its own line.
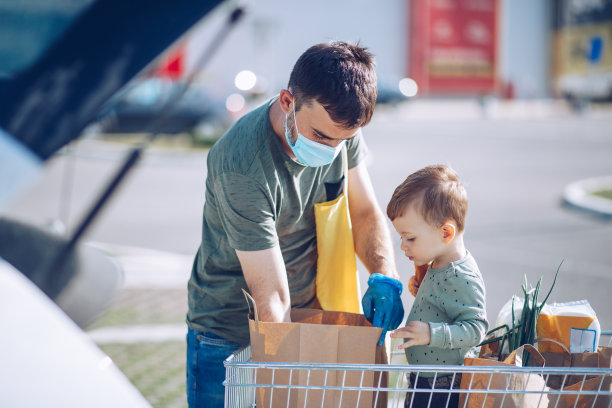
x: 241, y: 385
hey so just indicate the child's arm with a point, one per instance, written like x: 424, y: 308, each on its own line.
x: 464, y: 303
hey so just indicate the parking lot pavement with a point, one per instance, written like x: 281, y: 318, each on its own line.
x: 143, y: 331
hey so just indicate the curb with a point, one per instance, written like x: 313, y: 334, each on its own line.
x: 152, y: 333
x: 146, y: 268
x: 489, y: 109
x: 579, y: 195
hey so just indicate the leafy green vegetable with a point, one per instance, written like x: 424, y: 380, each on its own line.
x: 523, y: 332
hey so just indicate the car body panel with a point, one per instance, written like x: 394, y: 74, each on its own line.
x: 47, y: 360
x: 49, y: 104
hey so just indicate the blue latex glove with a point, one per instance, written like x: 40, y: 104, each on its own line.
x: 382, y: 305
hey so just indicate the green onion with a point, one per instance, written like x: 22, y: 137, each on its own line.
x: 523, y: 332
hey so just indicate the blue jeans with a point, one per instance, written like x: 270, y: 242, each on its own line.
x: 205, y: 371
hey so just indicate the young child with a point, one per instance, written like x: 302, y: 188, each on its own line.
x: 448, y: 318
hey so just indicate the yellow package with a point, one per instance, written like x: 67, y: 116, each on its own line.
x: 574, y: 324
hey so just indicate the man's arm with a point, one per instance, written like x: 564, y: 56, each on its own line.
x: 265, y: 275
x: 382, y: 304
x: 371, y: 234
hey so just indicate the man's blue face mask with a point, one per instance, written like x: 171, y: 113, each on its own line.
x: 308, y: 152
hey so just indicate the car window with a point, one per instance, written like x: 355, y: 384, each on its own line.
x: 29, y: 27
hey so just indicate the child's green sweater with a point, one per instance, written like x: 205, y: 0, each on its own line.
x: 452, y: 300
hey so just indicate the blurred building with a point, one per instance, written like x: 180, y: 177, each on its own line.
x: 582, y: 49
x: 509, y: 48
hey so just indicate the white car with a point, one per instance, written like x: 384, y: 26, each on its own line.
x: 60, y: 62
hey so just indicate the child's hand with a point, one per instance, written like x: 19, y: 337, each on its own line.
x: 415, y: 281
x: 413, y: 285
x: 416, y: 332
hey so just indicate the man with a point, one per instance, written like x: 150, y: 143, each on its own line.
x: 264, y: 177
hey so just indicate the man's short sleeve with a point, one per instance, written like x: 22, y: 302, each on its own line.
x: 357, y: 150
x: 246, y: 212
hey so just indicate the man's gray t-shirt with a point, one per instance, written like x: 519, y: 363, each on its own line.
x: 256, y: 197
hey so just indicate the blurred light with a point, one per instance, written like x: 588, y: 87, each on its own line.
x: 235, y: 103
x: 245, y: 80
x: 408, y: 87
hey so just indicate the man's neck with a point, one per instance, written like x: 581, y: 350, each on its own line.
x: 454, y: 252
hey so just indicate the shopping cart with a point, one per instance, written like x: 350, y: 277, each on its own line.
x: 357, y: 385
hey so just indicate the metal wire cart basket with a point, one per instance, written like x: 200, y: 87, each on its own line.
x: 355, y: 385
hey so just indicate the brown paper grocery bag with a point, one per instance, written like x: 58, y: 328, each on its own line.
x: 564, y: 358
x: 601, y: 359
x: 498, y: 381
x: 583, y: 401
x: 317, y: 336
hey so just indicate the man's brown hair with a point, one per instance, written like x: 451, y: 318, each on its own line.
x: 437, y: 193
x: 341, y: 77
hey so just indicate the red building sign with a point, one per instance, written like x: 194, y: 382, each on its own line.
x: 454, y: 46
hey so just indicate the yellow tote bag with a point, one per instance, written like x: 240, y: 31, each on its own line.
x: 337, y: 279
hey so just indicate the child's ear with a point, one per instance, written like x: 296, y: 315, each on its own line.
x: 448, y: 232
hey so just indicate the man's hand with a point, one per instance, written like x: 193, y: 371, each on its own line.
x: 416, y: 332
x: 382, y: 305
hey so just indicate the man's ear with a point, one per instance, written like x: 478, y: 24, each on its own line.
x: 448, y: 231
x: 286, y: 101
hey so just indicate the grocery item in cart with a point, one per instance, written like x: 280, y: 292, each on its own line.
x: 520, y: 383
x: 317, y: 336
x: 574, y: 324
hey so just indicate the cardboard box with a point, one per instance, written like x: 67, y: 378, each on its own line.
x: 317, y: 336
